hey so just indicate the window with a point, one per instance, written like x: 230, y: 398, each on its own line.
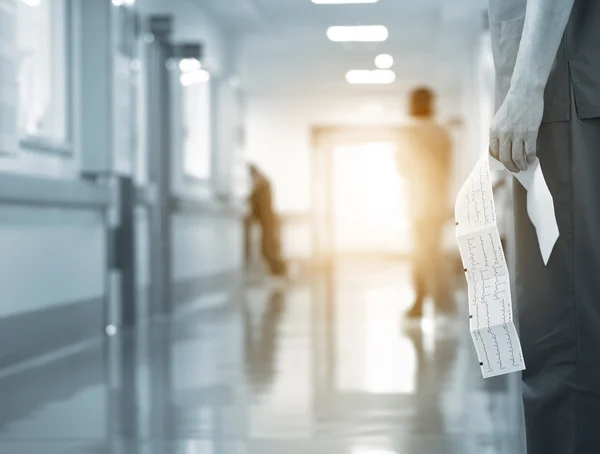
x: 42, y: 40
x: 8, y: 139
x: 196, y: 102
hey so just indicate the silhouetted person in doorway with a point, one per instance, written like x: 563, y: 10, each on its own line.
x: 261, y: 211
x: 424, y: 158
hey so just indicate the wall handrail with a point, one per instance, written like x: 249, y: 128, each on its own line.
x: 57, y: 193
x: 202, y: 207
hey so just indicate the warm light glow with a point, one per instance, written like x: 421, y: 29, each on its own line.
x: 189, y: 64
x: 384, y: 61
x: 32, y: 3
x: 342, y: 2
x: 358, y: 33
x: 390, y: 360
x: 372, y: 109
x: 365, y: 185
x: 194, y: 77
x: 365, y: 76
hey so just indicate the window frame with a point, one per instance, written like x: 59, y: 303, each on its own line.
x: 9, y: 142
x: 188, y: 176
x: 44, y: 144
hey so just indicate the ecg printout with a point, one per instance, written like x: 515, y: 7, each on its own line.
x: 490, y: 307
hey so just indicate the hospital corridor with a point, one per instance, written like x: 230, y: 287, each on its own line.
x: 227, y: 227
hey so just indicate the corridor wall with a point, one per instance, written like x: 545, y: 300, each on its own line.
x: 207, y: 240
x: 54, y: 219
x: 52, y: 235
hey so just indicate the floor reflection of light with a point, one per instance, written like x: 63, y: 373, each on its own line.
x: 428, y: 327
x: 281, y: 410
x: 391, y: 361
x: 199, y: 447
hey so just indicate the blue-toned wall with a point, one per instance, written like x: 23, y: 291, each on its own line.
x: 53, y: 261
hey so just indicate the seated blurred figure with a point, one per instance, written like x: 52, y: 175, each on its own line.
x: 262, y: 212
x: 424, y: 159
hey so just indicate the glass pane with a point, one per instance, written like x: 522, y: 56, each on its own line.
x: 42, y: 74
x: 196, y: 128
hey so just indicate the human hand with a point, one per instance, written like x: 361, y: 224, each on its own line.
x: 514, y: 130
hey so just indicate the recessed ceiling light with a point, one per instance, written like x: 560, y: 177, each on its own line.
x: 358, y: 33
x: 341, y: 2
x: 384, y: 61
x: 370, y: 77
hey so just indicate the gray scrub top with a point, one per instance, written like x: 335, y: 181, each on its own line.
x: 579, y: 51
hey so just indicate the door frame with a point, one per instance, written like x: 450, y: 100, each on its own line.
x: 324, y: 140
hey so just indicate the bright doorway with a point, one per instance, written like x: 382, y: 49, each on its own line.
x: 369, y: 201
x: 359, y: 198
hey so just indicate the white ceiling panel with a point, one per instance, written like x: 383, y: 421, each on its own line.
x: 284, y: 45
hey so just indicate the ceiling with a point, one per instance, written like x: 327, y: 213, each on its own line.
x: 284, y: 48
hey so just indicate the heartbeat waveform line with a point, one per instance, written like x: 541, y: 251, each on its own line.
x: 484, y: 179
x: 474, y: 263
x: 478, y: 198
x: 497, y: 345
x: 487, y: 313
x: 497, y: 292
x: 511, y: 347
x: 485, y: 352
x: 477, y: 307
x: 484, y: 252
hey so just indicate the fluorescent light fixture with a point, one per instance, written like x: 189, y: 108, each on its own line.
x: 358, y: 33
x: 32, y: 3
x: 370, y: 77
x: 187, y: 65
x: 384, y: 61
x: 199, y: 76
x: 123, y: 2
x: 342, y: 2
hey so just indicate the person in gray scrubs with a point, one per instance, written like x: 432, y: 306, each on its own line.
x: 547, y: 58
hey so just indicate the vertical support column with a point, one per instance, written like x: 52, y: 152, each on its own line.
x: 97, y: 66
x: 108, y: 34
x: 159, y: 50
x: 125, y: 249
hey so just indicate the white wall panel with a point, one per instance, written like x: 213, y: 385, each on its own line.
x: 50, y: 257
x: 205, y: 246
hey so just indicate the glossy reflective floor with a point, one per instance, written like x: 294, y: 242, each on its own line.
x: 327, y: 367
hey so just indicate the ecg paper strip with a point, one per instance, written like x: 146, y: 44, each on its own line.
x: 490, y: 307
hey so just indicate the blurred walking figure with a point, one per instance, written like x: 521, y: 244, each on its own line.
x: 262, y: 212
x: 424, y: 159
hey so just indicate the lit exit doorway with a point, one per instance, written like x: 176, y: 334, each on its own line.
x: 359, y: 197
x: 369, y: 201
